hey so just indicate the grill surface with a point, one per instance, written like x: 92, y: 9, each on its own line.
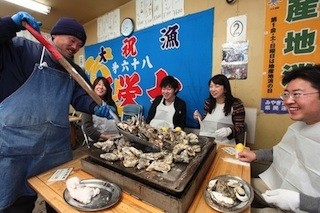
x: 173, y: 182
x: 172, y: 191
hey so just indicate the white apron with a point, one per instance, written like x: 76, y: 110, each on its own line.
x: 214, y: 121
x: 164, y: 115
x: 104, y: 125
x: 296, y: 161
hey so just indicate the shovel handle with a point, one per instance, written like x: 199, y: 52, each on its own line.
x: 59, y: 57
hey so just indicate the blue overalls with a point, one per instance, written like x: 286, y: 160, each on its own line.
x: 34, y: 131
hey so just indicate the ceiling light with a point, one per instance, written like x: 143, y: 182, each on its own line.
x: 32, y: 5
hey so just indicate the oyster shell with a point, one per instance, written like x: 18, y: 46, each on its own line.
x: 241, y: 194
x: 242, y: 190
x: 152, y: 155
x: 212, y: 183
x: 158, y: 137
x: 160, y: 166
x: 221, y: 199
x: 143, y: 163
x: 109, y: 156
x: 233, y: 183
x: 175, y: 146
x: 223, y: 191
x: 130, y: 161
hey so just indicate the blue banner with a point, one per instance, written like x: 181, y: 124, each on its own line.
x: 136, y: 65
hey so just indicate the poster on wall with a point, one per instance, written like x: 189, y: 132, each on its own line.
x: 234, y: 63
x: 151, y: 12
x: 136, y: 65
x: 292, y: 40
x: 108, y: 25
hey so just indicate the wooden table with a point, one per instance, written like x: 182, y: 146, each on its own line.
x: 52, y: 192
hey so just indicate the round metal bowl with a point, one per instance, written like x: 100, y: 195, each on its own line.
x: 238, y: 206
x: 109, y: 195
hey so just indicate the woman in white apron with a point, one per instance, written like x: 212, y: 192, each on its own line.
x: 292, y: 182
x: 224, y: 114
x: 99, y: 128
x: 168, y: 110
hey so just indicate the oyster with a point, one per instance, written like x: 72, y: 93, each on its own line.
x: 211, y: 184
x: 175, y: 146
x: 168, y: 158
x: 241, y: 194
x: 224, y: 189
x: 177, y: 149
x: 227, y: 193
x: 130, y: 161
x: 196, y: 148
x: 143, y: 163
x: 152, y: 155
x: 135, y: 151
x: 109, y: 156
x: 105, y: 146
x: 122, y: 142
x: 221, y: 199
x: 118, y: 153
x: 233, y: 183
x: 183, y: 157
x: 193, y: 138
x: 162, y: 137
x: 160, y: 166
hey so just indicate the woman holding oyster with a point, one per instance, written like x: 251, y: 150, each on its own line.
x: 224, y: 114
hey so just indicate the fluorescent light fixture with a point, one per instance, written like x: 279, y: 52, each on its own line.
x: 32, y: 5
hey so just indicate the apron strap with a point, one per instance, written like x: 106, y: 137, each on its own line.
x: 42, y: 63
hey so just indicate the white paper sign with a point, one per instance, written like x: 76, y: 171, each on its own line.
x: 60, y: 174
x: 237, y: 28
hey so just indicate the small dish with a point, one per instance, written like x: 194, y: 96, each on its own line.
x: 237, y: 206
x: 108, y: 196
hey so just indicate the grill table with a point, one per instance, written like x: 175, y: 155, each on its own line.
x: 52, y: 192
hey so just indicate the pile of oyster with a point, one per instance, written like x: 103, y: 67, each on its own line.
x: 227, y: 192
x: 162, y: 137
x: 183, y: 147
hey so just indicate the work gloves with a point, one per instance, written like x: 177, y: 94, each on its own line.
x: 223, y: 132
x: 23, y: 16
x: 104, y: 111
x: 283, y: 198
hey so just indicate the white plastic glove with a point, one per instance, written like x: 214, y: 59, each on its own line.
x: 283, y: 198
x: 223, y: 132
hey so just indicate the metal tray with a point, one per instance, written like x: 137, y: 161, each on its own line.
x: 174, y: 182
x: 239, y: 206
x: 134, y: 138
x: 109, y: 195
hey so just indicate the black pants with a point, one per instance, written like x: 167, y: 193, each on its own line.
x: 24, y: 204
x: 50, y: 209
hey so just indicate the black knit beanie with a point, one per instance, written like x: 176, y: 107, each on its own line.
x: 69, y: 26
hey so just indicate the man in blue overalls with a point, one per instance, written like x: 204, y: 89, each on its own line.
x: 35, y: 94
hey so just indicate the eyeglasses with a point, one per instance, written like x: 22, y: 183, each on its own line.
x: 295, y: 95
